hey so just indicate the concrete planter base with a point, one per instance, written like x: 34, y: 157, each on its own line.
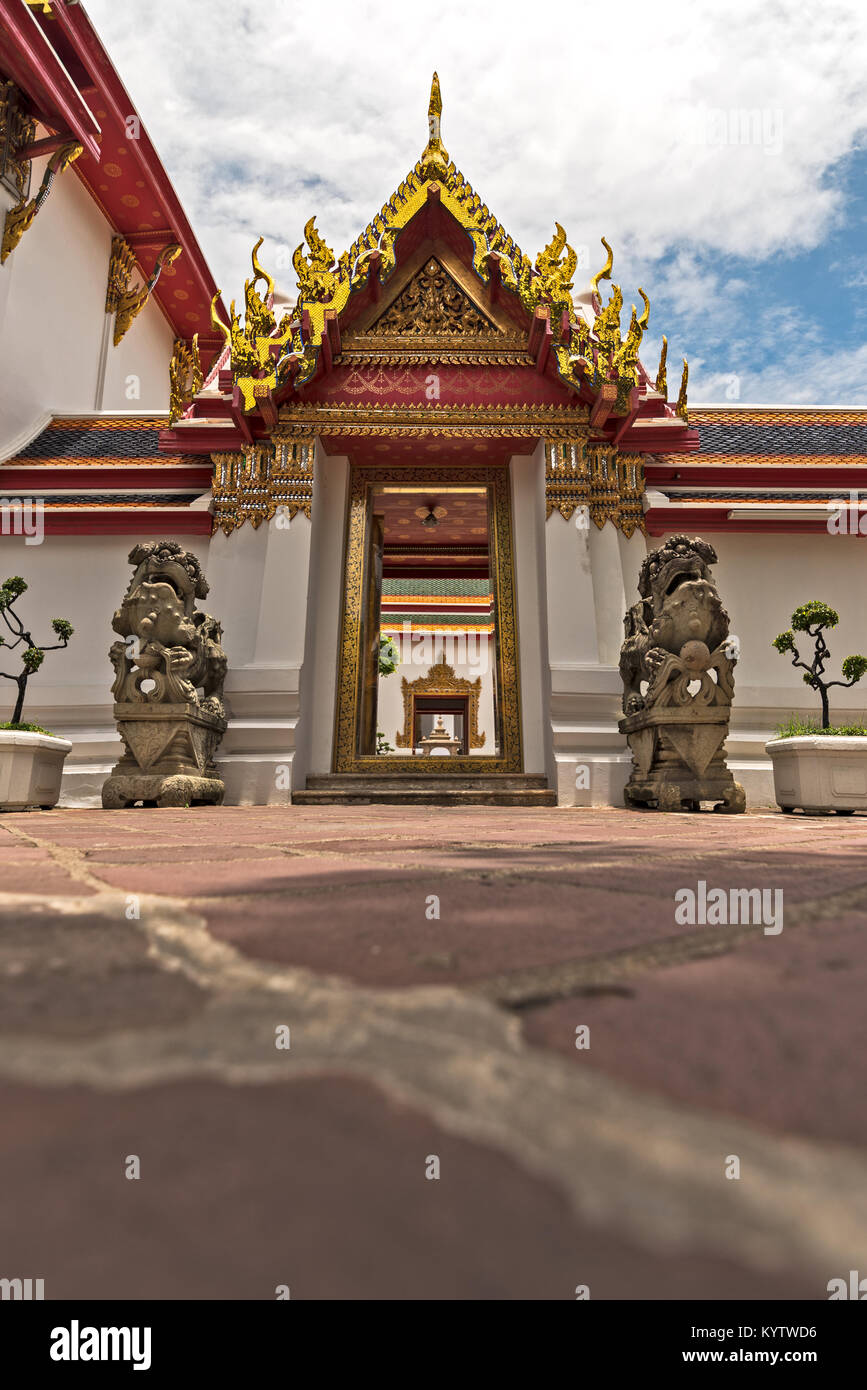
x: 815, y: 773
x: 31, y: 766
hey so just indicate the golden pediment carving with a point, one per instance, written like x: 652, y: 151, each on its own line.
x: 432, y: 304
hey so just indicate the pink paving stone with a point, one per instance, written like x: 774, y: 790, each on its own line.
x: 316, y: 1184
x: 153, y: 855
x: 773, y: 1032
x: 380, y: 934
x: 279, y: 873
x: 43, y: 879
x: 808, y: 874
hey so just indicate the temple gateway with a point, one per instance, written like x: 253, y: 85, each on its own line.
x: 421, y: 477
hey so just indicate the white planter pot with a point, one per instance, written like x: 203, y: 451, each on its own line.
x: 31, y: 766
x: 819, y: 773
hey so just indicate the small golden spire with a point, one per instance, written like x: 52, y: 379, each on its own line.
x: 604, y: 273
x: 661, y: 381
x: 435, y: 160
x: 681, y: 408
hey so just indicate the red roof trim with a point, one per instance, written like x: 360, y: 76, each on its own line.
x: 32, y: 64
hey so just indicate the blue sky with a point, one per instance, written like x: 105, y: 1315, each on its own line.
x: 720, y: 148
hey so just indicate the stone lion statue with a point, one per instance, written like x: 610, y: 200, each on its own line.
x: 677, y: 664
x: 678, y: 625
x: 169, y: 673
x: 175, y: 651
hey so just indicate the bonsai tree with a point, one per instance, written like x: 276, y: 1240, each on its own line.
x: 814, y: 619
x: 389, y: 656
x: 33, y: 654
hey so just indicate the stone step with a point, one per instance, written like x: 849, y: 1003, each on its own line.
x: 405, y: 781
x: 428, y: 796
x: 437, y: 789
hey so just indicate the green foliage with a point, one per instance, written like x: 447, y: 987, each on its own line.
x: 25, y: 728
x: 812, y: 618
x: 798, y: 728
x: 854, y: 668
x: 389, y: 656
x: 814, y: 614
x: 25, y: 649
x: 33, y: 659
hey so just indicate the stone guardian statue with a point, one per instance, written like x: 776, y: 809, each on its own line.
x: 677, y: 666
x: 168, y: 684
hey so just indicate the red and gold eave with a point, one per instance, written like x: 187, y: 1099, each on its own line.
x: 72, y: 89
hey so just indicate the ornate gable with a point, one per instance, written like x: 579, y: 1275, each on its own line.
x: 435, y: 278
x: 433, y: 304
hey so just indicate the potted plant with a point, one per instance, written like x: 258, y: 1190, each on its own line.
x: 31, y: 758
x: 817, y: 767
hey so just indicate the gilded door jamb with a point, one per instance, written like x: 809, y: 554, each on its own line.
x: 346, y: 757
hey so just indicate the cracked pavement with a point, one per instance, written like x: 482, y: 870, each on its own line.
x: 148, y: 959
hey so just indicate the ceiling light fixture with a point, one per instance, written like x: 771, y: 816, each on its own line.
x: 430, y: 515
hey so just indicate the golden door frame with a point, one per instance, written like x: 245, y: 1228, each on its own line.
x: 363, y: 477
x: 440, y: 680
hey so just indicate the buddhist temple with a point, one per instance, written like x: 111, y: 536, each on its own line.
x: 421, y: 471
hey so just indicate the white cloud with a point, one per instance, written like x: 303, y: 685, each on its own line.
x: 629, y: 122
x: 810, y: 376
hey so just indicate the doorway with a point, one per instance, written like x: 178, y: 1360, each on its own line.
x: 428, y: 679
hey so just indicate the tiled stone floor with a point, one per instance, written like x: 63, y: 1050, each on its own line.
x: 432, y: 966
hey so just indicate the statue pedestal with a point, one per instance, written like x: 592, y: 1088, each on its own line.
x: 678, y: 759
x: 168, y: 758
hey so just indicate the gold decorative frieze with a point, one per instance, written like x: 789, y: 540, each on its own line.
x: 487, y: 422
x: 19, y: 218
x: 630, y: 469
x: 17, y: 129
x: 262, y: 481
x: 608, y: 485
x: 420, y: 352
x: 120, y: 300
x: 185, y: 376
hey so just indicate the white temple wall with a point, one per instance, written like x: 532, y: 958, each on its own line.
x: 54, y: 331
x: 278, y: 591
x: 762, y: 579
x: 82, y: 578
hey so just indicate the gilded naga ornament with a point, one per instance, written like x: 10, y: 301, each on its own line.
x: 257, y: 354
x: 19, y: 218
x: 120, y: 300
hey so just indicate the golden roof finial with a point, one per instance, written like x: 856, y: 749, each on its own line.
x: 435, y: 160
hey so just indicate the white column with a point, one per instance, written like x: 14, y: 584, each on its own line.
x: 315, y: 733
x: 259, y: 592
x: 528, y: 531
x: 591, y: 577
